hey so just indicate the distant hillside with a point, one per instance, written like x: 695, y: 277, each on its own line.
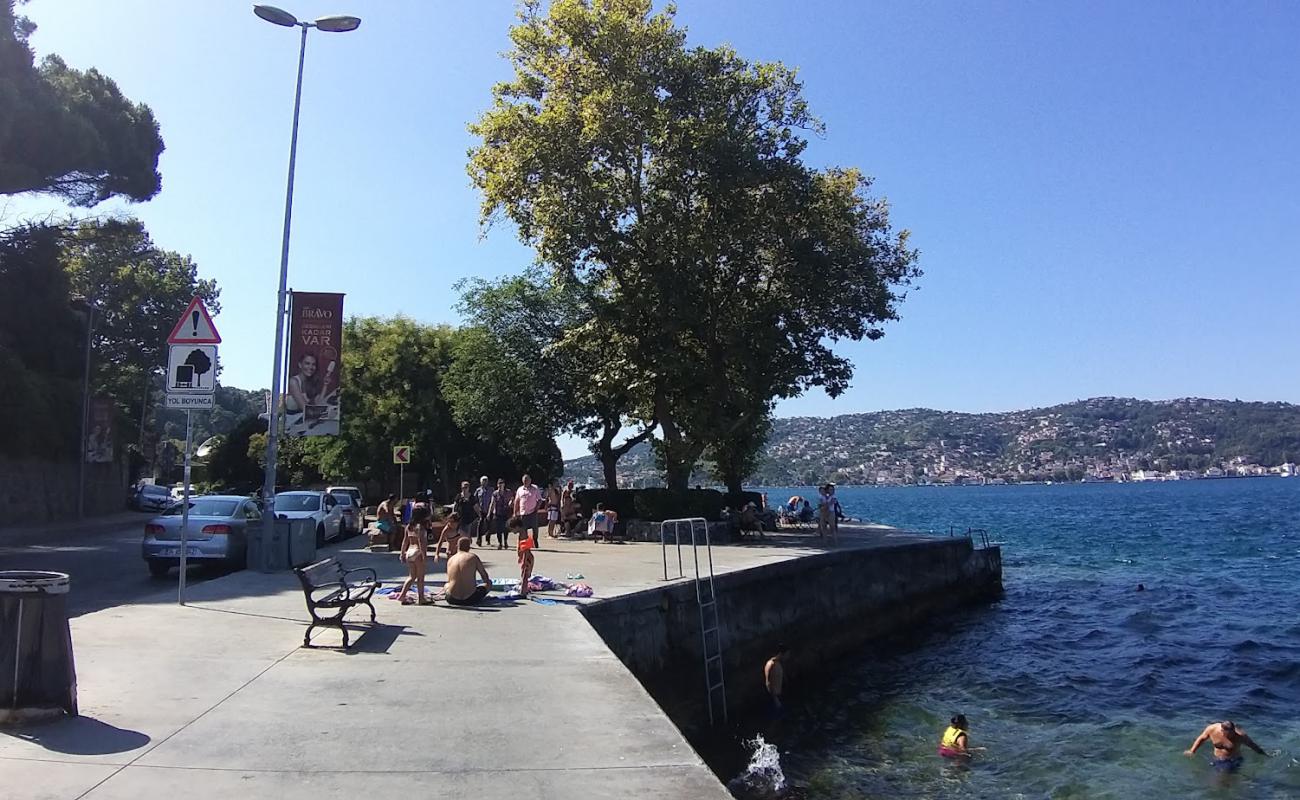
x: 1104, y: 438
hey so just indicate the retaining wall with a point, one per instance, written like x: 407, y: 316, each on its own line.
x: 33, y: 491
x: 823, y: 606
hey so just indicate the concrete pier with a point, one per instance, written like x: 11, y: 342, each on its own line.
x: 217, y: 698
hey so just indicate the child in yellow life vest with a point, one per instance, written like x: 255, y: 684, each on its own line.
x: 955, y: 743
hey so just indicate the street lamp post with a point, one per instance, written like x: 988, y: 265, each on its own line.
x: 88, y: 308
x: 331, y: 24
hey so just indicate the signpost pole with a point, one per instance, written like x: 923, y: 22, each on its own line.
x: 185, y: 509
x: 401, y: 482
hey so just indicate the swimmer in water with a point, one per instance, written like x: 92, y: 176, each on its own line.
x: 955, y: 743
x: 1227, y: 739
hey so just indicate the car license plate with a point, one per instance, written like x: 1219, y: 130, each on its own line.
x: 175, y: 552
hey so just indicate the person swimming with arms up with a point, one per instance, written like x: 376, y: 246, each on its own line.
x: 1227, y: 739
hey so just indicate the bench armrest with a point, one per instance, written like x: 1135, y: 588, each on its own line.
x: 374, y: 576
x: 335, y: 586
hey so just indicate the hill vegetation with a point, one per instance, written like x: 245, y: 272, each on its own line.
x: 1101, y: 438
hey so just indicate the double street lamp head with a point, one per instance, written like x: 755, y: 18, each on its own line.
x: 338, y: 23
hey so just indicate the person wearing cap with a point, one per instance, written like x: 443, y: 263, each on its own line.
x: 1227, y: 739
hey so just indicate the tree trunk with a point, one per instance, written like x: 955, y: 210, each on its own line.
x: 609, y: 455
x: 609, y: 462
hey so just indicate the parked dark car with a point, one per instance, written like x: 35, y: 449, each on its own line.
x: 217, y: 533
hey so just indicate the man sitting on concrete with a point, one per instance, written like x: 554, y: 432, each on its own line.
x: 460, y: 589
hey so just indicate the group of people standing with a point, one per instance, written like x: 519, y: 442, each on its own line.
x: 827, y: 516
x: 476, y: 517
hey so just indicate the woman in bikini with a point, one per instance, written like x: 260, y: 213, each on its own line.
x: 449, y: 535
x: 413, y: 555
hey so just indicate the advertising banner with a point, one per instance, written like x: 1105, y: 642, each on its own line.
x: 99, y: 431
x: 311, y: 398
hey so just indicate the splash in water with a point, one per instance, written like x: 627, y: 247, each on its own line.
x: 762, y: 776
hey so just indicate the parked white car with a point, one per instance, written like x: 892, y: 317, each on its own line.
x: 320, y: 506
x: 351, y: 513
x: 358, y: 511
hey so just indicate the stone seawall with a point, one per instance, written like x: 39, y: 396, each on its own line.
x: 823, y: 606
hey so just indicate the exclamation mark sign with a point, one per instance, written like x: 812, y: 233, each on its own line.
x: 194, y: 319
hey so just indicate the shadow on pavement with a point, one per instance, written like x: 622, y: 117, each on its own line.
x: 81, y: 736
x: 379, y: 638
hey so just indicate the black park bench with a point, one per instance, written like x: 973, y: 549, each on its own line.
x: 329, y: 587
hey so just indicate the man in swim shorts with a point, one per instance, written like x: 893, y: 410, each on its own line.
x: 774, y: 679
x: 1227, y: 739
x: 461, y: 569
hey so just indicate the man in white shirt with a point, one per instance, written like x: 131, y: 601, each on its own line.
x: 527, y: 498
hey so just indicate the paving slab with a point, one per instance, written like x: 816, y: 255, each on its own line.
x: 217, y: 697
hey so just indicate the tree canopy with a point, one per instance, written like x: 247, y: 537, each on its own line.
x: 532, y: 364
x: 667, y: 186
x: 69, y: 132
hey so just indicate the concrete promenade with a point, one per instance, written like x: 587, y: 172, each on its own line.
x: 217, y: 699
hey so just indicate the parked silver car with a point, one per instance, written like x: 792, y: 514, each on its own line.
x: 152, y: 497
x: 351, y: 513
x: 322, y: 507
x: 217, y: 533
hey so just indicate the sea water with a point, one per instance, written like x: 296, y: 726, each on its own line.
x: 1079, y: 685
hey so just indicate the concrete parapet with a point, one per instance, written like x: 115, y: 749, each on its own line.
x: 822, y: 605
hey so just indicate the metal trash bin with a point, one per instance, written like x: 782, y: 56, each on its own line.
x: 37, y: 676
x: 302, y: 541
x: 268, y: 554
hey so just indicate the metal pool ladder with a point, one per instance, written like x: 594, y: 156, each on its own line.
x: 707, y: 599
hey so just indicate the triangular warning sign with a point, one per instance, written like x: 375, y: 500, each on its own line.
x: 195, y: 326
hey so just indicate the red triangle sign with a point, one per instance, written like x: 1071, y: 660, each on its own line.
x: 195, y: 326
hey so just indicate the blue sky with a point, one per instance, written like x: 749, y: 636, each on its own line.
x: 1106, y: 195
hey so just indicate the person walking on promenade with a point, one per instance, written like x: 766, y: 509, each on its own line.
x: 388, y: 524
x: 465, y: 509
x: 774, y: 678
x: 527, y: 499
x: 499, y: 511
x: 413, y: 554
x: 1227, y: 739
x: 482, y: 504
x: 460, y: 589
x: 449, y: 535
x: 553, y: 497
x: 827, y: 519
x: 567, y: 512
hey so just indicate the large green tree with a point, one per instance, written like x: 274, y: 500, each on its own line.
x: 531, y: 365
x: 69, y: 132
x: 394, y: 382
x: 667, y: 184
x: 138, y: 291
x: 41, y: 347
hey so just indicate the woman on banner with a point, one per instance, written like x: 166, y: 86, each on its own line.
x: 307, y: 388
